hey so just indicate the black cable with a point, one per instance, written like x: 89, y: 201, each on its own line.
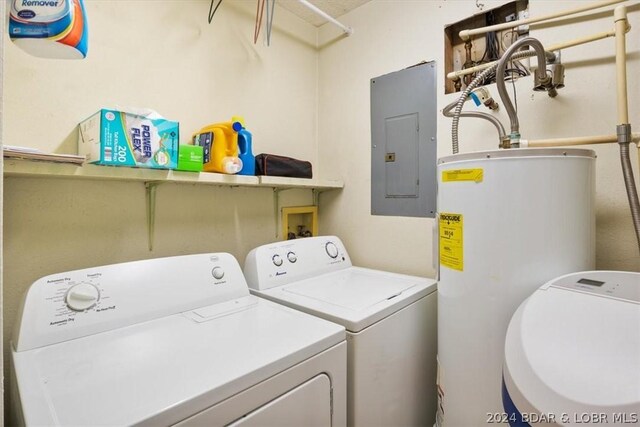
x: 211, y: 14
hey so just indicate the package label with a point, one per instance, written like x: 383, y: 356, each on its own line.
x: 454, y: 175
x: 451, y: 241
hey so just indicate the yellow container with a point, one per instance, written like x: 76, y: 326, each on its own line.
x: 220, y: 146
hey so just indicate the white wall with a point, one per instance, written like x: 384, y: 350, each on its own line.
x: 2, y: 32
x: 391, y: 35
x: 296, y: 101
x: 162, y: 55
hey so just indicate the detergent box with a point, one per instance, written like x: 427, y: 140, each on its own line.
x: 190, y: 158
x: 118, y: 138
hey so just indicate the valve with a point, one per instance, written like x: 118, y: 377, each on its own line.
x: 554, y: 78
x: 483, y: 96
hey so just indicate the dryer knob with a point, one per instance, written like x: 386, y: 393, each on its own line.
x: 82, y: 297
x: 217, y: 273
x: 332, y: 249
x: 292, y: 257
x: 277, y: 260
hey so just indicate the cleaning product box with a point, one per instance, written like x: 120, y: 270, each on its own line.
x: 190, y: 158
x: 118, y: 138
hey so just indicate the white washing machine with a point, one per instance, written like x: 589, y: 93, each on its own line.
x: 572, y: 353
x: 172, y: 341
x: 390, y: 321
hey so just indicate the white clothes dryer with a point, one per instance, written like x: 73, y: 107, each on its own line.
x: 172, y: 341
x: 572, y: 353
x: 390, y: 321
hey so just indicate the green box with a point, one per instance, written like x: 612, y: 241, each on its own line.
x: 190, y: 158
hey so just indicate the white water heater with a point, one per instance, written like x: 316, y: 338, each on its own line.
x: 509, y: 220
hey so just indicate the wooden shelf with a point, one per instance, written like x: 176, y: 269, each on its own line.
x: 283, y: 182
x: 30, y: 168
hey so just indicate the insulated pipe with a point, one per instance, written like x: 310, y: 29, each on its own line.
x: 346, y: 29
x: 541, y: 79
x: 466, y: 34
x: 581, y: 140
x: 559, y: 46
x: 620, y: 17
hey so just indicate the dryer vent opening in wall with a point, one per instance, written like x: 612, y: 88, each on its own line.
x: 403, y: 142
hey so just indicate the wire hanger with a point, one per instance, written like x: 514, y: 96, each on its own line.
x: 212, y: 10
x: 259, y: 13
x: 270, y: 11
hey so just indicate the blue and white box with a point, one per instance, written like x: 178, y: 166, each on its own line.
x: 118, y: 138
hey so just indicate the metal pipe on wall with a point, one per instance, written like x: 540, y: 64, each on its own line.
x: 466, y: 34
x: 581, y: 140
x: 558, y: 46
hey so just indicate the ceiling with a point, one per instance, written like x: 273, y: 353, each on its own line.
x: 335, y: 8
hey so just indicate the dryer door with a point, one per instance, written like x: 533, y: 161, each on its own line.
x: 308, y: 404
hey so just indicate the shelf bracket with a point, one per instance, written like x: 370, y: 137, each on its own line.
x: 150, y: 192
x: 315, y: 194
x: 276, y: 207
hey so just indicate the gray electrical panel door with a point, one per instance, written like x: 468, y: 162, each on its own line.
x: 403, y: 142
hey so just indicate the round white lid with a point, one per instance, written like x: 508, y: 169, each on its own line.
x: 573, y: 348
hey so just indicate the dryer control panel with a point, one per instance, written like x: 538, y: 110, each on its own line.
x: 284, y: 262
x: 78, y: 303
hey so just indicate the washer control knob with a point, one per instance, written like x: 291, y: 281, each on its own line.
x: 82, y: 297
x: 332, y: 249
x: 292, y: 257
x: 277, y: 260
x: 217, y: 273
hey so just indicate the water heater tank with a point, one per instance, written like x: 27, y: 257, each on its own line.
x: 509, y: 220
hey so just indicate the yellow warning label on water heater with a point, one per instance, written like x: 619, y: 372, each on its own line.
x: 474, y: 175
x: 451, y: 249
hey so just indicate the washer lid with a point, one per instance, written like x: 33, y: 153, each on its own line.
x: 162, y: 371
x: 574, y: 347
x: 355, y: 297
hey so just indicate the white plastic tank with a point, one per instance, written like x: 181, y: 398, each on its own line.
x: 509, y: 220
x: 572, y: 353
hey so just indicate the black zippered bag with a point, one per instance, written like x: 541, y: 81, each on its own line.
x: 274, y: 165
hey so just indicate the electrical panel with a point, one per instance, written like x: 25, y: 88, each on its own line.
x: 403, y: 142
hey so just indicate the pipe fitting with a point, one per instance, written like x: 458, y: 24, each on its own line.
x: 541, y: 84
x: 514, y: 140
x: 624, y: 133
x: 554, y: 79
x: 557, y: 75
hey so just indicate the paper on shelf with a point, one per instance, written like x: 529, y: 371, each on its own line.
x: 27, y: 153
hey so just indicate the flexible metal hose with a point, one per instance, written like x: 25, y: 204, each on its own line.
x: 460, y: 103
x: 479, y: 115
x: 465, y: 94
x: 541, y: 73
x: 630, y: 186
